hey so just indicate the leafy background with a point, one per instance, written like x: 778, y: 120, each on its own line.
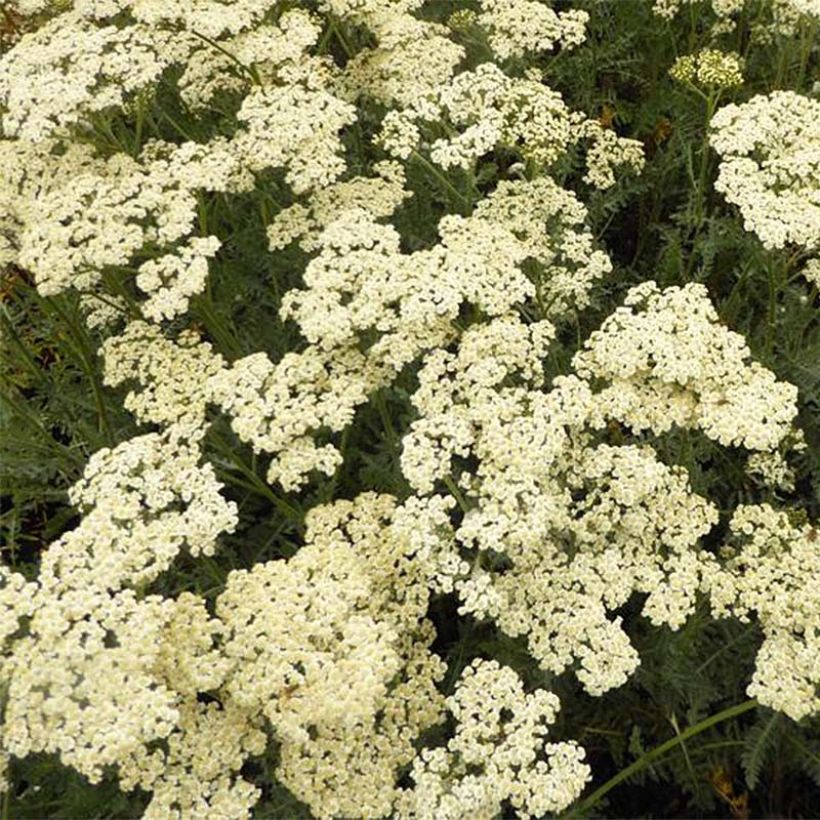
x: 655, y: 745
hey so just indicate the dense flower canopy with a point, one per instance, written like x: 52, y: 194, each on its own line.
x: 537, y: 497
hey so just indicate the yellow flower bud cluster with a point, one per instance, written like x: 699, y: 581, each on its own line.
x: 709, y: 68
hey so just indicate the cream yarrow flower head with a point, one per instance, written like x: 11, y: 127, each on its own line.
x: 59, y: 75
x: 87, y: 676
x: 172, y: 374
x: 296, y: 127
x: 811, y: 272
x: 488, y: 108
x: 271, y: 49
x: 172, y: 279
x: 498, y: 753
x: 606, y: 152
x: 517, y: 27
x: 771, y: 572
x: 380, y: 195
x: 414, y: 59
x: 665, y: 359
x: 770, y: 166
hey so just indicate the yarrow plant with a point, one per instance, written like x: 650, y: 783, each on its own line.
x: 708, y: 68
x: 770, y: 168
x: 404, y: 419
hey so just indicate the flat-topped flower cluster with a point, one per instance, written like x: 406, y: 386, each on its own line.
x: 519, y: 504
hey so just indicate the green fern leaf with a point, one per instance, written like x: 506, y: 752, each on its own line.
x: 760, y: 742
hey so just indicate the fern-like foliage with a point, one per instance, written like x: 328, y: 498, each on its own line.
x: 760, y: 743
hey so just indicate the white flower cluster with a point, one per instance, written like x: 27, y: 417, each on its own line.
x: 71, y: 68
x: 361, y: 282
x: 580, y: 526
x: 458, y: 393
x: 199, y: 773
x: 484, y: 109
x: 327, y: 652
x: 172, y: 279
x: 772, y: 569
x: 28, y: 7
x: 276, y: 407
x: 357, y: 694
x: 772, y: 469
x: 90, y: 677
x: 606, y: 152
x: 97, y: 220
x: 143, y: 501
x: 549, y: 222
x: 722, y: 8
x: 380, y: 196
x: 811, y: 272
x: 521, y: 505
x: 74, y: 220
x: 557, y: 530
x: 264, y: 51
x: 498, y: 753
x: 29, y: 170
x: 213, y: 18
x: 173, y: 375
x: 770, y: 166
x: 412, y: 61
x: 784, y: 16
x: 488, y: 108
x: 666, y: 360
x: 312, y: 155
x: 517, y: 27
x: 330, y: 663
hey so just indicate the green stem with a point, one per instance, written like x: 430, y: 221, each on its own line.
x: 718, y: 744
x: 442, y: 179
x: 695, y: 786
x: 595, y: 731
x: 381, y: 406
x: 772, y: 311
x: 11, y: 334
x: 6, y: 810
x: 90, y: 294
x: 11, y: 397
x: 659, y: 751
x: 256, y: 483
x: 115, y: 285
x: 180, y: 128
x: 323, y: 41
x: 703, y: 176
x: 140, y: 118
x: 202, y: 209
x: 803, y: 749
x: 103, y: 127
x: 85, y: 354
x: 249, y: 70
x: 346, y: 47
x: 456, y: 493
x: 809, y: 37
x: 203, y: 309
x: 723, y: 648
